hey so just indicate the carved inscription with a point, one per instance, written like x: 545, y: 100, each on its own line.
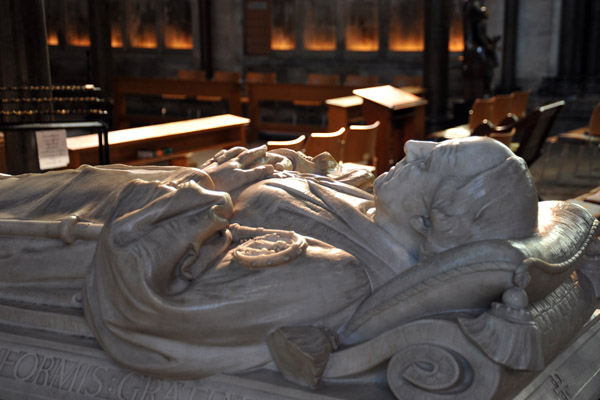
x: 94, y: 381
x: 561, y: 388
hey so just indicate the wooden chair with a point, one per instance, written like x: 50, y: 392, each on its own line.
x: 359, y: 144
x: 587, y: 136
x: 189, y: 74
x: 533, y: 130
x: 192, y: 74
x: 316, y: 79
x: 504, y: 137
x: 407, y: 80
x: 323, y: 79
x: 410, y: 83
x: 294, y: 144
x: 361, y: 80
x: 261, y: 77
x: 227, y: 76
x: 501, y: 112
x: 533, y: 139
x: 481, y: 110
x: 519, y: 103
x: 220, y: 76
x: 330, y: 142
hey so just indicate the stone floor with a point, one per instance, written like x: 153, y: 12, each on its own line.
x: 566, y: 171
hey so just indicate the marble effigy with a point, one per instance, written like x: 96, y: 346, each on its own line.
x: 443, y: 277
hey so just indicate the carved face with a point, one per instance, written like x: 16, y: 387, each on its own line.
x: 401, y: 195
x: 447, y: 194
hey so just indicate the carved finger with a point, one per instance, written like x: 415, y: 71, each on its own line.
x: 226, y: 155
x: 252, y: 155
x: 258, y: 173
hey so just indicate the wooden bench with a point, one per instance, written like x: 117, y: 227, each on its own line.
x: 183, y: 137
x: 168, y: 88
x: 287, y: 92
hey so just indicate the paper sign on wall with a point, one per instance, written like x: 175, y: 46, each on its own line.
x: 52, y: 148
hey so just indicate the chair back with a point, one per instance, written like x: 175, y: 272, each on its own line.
x: 360, y: 80
x: 227, y: 76
x: 294, y: 144
x: 261, y: 77
x: 407, y: 80
x: 536, y: 128
x: 359, y: 144
x: 480, y: 110
x: 594, y: 127
x: 504, y: 137
x: 323, y: 79
x: 192, y: 74
x: 330, y: 142
x: 502, y: 108
x: 519, y: 103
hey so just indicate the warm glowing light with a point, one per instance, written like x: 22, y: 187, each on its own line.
x: 406, y: 44
x: 281, y: 40
x: 323, y: 41
x: 52, y: 38
x: 317, y: 45
x: 78, y: 40
x: 178, y: 39
x: 357, y: 40
x: 116, y: 36
x: 414, y: 44
x: 143, y: 38
x: 456, y: 43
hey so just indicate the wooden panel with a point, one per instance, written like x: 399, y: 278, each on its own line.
x: 288, y: 92
x: 123, y: 86
x: 258, y: 27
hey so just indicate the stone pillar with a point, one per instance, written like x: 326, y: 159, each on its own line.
x: 509, y: 46
x: 435, y: 65
x: 206, y: 56
x: 572, y: 39
x: 101, y: 64
x: 24, y: 62
x: 592, y: 58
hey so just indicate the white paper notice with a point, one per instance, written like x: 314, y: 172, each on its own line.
x: 52, y: 148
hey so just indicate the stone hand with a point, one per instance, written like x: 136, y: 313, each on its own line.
x: 189, y: 216
x: 234, y: 168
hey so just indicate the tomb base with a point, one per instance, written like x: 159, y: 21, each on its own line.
x: 41, y: 365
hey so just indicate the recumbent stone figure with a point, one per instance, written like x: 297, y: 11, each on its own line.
x: 257, y: 261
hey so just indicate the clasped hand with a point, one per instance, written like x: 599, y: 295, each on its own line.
x: 236, y: 167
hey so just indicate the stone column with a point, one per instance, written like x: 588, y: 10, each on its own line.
x: 100, y: 48
x: 24, y: 62
x: 509, y: 46
x: 206, y: 56
x: 592, y: 58
x: 572, y: 39
x: 435, y: 65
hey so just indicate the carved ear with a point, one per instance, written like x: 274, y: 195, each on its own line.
x: 442, y: 222
x: 421, y: 224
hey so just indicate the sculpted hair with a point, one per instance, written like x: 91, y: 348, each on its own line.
x: 498, y: 203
